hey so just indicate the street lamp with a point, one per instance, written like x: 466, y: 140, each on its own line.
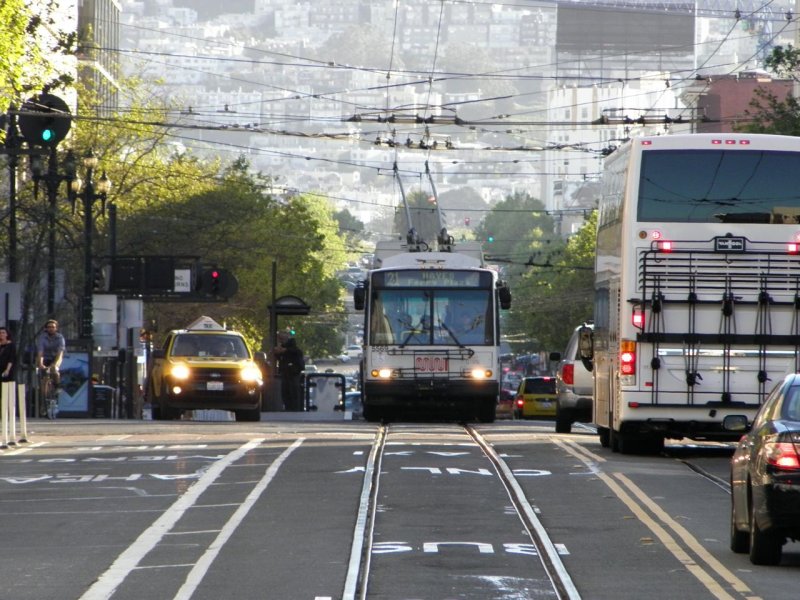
x: 89, y: 193
x: 52, y: 178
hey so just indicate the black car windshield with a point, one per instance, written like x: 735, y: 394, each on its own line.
x: 540, y: 386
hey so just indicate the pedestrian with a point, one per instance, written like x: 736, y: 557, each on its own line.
x: 290, y: 368
x: 8, y: 356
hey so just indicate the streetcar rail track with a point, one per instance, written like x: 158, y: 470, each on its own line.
x: 357, y: 580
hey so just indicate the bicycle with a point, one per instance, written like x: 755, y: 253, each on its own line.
x: 49, y: 392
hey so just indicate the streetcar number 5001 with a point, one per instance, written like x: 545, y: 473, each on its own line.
x: 431, y: 364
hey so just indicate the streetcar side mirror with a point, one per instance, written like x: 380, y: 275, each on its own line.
x: 504, y: 295
x: 359, y: 296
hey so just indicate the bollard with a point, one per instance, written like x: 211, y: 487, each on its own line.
x: 23, y: 418
x: 5, y: 392
x: 12, y: 413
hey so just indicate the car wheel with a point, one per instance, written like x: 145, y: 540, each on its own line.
x: 765, y: 546
x: 248, y: 415
x: 563, y: 421
x: 740, y: 540
x: 604, y: 436
x: 155, y: 403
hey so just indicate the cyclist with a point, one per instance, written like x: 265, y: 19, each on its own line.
x: 50, y: 346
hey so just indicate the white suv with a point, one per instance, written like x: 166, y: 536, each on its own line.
x: 574, y: 385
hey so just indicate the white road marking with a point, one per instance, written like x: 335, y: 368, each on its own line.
x: 105, y: 585
x: 200, y: 569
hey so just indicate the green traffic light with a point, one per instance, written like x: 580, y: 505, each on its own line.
x: 47, y: 135
x: 490, y: 239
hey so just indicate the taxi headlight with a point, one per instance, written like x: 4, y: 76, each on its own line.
x: 180, y: 371
x: 250, y: 373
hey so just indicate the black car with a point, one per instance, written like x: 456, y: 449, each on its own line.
x: 765, y: 476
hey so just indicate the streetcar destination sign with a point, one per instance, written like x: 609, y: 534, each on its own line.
x: 433, y: 278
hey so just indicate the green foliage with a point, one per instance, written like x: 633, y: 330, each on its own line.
x: 424, y: 216
x: 32, y: 51
x: 551, y: 300
x: 769, y: 113
x: 522, y: 232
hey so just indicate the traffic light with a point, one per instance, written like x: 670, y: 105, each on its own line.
x: 213, y: 282
x: 218, y: 282
x: 490, y: 239
x: 292, y: 330
x: 44, y: 120
x: 99, y: 280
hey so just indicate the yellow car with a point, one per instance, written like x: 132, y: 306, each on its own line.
x: 206, y: 366
x: 536, y: 397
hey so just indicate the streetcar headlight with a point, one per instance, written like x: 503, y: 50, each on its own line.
x: 384, y: 373
x: 250, y: 373
x: 480, y: 373
x: 180, y: 371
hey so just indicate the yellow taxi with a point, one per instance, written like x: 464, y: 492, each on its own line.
x: 206, y: 366
x: 536, y: 397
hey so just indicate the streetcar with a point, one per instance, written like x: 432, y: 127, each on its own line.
x: 432, y: 333
x: 431, y: 327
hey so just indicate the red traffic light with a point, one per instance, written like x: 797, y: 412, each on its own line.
x: 218, y: 282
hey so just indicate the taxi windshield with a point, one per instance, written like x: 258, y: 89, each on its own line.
x: 217, y: 346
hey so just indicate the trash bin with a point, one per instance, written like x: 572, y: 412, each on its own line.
x: 102, y: 402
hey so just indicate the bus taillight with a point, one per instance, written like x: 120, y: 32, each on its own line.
x: 627, y: 357
x: 637, y: 318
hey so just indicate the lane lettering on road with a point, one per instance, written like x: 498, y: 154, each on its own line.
x: 108, y: 582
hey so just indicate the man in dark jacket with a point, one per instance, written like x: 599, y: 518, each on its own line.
x: 290, y: 367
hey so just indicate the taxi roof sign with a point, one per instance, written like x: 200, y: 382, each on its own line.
x: 205, y: 324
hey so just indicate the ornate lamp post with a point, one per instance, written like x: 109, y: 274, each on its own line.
x: 89, y: 192
x: 52, y: 178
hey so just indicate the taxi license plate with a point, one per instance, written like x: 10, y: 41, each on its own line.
x: 214, y: 386
x: 431, y: 364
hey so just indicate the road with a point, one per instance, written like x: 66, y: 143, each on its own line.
x: 132, y: 509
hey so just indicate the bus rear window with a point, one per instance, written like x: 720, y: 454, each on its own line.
x: 719, y: 186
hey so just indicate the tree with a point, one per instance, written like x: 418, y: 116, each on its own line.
x: 556, y: 296
x: 237, y: 224
x: 424, y: 217
x: 518, y: 230
x: 31, y: 48
x: 769, y: 113
x: 350, y: 228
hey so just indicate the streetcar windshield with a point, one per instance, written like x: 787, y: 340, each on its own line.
x: 439, y: 317
x: 719, y: 186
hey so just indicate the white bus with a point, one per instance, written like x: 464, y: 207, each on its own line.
x: 431, y: 334
x: 697, y: 285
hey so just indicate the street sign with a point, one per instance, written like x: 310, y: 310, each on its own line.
x: 11, y: 301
